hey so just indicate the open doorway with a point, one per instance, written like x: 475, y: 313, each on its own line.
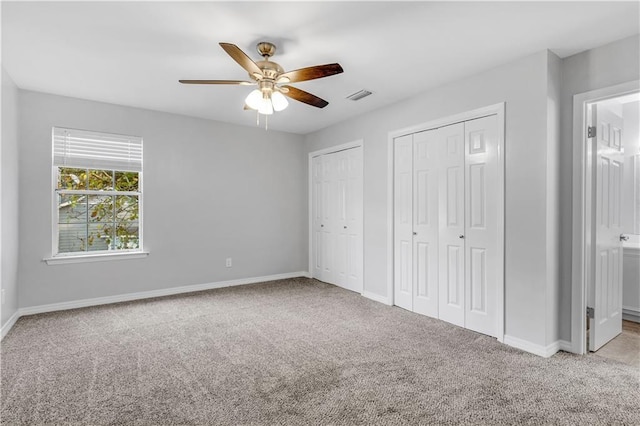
x: 607, y: 259
x: 615, y: 333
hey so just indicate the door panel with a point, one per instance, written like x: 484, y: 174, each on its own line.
x: 451, y: 224
x: 327, y: 224
x: 481, y: 245
x: 454, y: 279
x: 316, y: 214
x: 605, y: 294
x: 403, y: 221
x: 340, y: 229
x: 425, y: 223
x: 422, y: 270
x: 477, y: 193
x: 478, y: 284
x: 353, y: 222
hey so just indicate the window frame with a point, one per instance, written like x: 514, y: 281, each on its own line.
x: 94, y: 255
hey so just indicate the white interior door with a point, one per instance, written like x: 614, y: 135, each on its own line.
x: 316, y: 217
x: 403, y: 222
x: 354, y: 220
x: 451, y: 224
x: 481, y: 245
x: 606, y: 292
x: 340, y: 223
x: 426, y: 147
x: 327, y: 223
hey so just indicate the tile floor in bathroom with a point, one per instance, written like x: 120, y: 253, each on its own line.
x: 625, y: 347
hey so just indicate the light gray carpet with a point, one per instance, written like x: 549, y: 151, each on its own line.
x: 291, y: 352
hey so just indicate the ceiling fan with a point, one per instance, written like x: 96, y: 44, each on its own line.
x: 272, y: 80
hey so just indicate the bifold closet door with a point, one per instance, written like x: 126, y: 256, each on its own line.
x: 468, y: 224
x: 481, y: 216
x: 403, y: 222
x: 337, y: 225
x: 451, y: 219
x: 416, y: 229
x: 348, y: 219
x: 316, y: 217
x: 445, y: 223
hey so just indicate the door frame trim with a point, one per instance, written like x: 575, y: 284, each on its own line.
x: 582, y: 205
x: 330, y: 150
x: 495, y: 109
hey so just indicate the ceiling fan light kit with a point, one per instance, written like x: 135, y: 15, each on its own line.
x: 279, y: 101
x: 271, y: 94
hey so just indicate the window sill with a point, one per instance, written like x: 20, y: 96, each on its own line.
x: 101, y: 257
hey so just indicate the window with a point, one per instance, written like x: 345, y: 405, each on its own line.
x: 97, y: 192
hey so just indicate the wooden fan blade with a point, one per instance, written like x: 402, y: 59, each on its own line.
x: 238, y: 82
x: 310, y: 73
x: 306, y: 97
x: 241, y: 58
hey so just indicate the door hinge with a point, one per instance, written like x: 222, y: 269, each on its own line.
x: 591, y: 132
x: 591, y: 313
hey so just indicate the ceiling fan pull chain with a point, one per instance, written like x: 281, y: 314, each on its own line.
x: 266, y: 122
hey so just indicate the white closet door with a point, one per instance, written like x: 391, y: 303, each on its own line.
x: 316, y: 217
x: 354, y: 223
x: 340, y: 223
x: 481, y: 137
x: 403, y: 221
x: 425, y: 223
x: 451, y: 224
x: 327, y: 225
x: 337, y: 225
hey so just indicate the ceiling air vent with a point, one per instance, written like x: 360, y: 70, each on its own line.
x: 359, y: 95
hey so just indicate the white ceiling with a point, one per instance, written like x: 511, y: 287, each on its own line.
x: 133, y: 53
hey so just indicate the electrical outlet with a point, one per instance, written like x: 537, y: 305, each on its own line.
x: 229, y: 262
x: 2, y: 295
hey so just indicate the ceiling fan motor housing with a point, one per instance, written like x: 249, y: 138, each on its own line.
x: 271, y: 70
x: 266, y: 49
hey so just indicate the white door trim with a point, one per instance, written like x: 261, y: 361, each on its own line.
x: 582, y: 204
x: 497, y: 109
x: 336, y: 148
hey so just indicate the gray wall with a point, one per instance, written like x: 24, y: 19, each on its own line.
x: 9, y: 207
x: 524, y: 86
x: 552, y: 307
x: 211, y: 191
x: 608, y: 65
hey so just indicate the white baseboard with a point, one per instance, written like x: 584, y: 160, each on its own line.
x: 630, y: 314
x: 9, y: 324
x: 149, y: 294
x: 543, y: 351
x: 377, y: 297
x: 565, y: 346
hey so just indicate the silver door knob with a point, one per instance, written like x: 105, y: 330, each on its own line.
x: 461, y: 236
x: 415, y: 233
x: 345, y: 227
x: 321, y: 226
x: 624, y: 237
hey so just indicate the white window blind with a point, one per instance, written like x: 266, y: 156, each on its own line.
x: 95, y: 150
